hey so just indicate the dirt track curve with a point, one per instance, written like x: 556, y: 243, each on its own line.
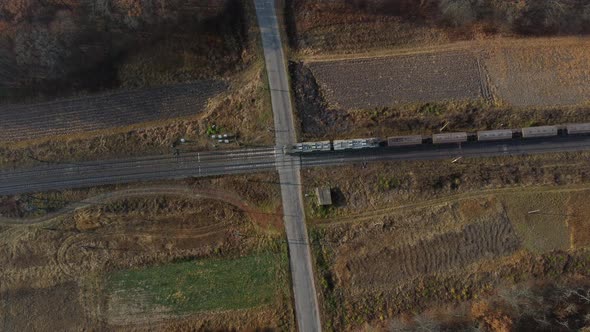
x: 186, y: 191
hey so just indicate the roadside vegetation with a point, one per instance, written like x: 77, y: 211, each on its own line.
x: 389, y: 185
x: 233, y: 189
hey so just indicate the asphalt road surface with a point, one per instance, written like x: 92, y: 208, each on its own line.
x: 306, y: 304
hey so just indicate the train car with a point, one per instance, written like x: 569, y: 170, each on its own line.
x: 494, y: 135
x: 307, y: 147
x: 359, y: 143
x: 449, y: 138
x: 543, y: 131
x: 578, y: 128
x: 404, y: 140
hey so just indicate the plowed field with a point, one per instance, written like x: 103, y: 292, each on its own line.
x: 22, y: 122
x: 549, y: 72
x: 438, y: 253
x: 380, y: 82
x: 423, y: 242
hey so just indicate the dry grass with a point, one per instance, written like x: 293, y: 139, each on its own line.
x: 546, y: 230
x: 578, y: 219
x: 361, y: 190
x: 547, y: 74
x: 56, y: 308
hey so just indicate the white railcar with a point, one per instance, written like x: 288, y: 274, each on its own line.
x: 306, y: 147
x: 578, y: 128
x: 359, y: 143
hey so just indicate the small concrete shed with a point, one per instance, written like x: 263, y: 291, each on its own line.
x: 324, y: 195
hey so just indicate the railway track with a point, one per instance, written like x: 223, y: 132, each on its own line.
x: 63, y: 176
x: 196, y: 164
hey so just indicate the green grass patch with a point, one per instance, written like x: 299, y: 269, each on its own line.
x: 201, y: 285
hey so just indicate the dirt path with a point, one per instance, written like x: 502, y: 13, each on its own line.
x: 471, y: 45
x: 183, y: 191
x: 375, y: 213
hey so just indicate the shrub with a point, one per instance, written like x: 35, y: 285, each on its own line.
x: 457, y: 12
x: 385, y: 183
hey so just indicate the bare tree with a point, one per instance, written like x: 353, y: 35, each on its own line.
x: 542, y: 321
x: 582, y: 294
x: 564, y: 324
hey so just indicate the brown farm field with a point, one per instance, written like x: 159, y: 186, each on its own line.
x: 554, y: 73
x: 19, y: 122
x: 411, y: 236
x: 467, y: 86
x: 381, y: 82
x: 129, y: 257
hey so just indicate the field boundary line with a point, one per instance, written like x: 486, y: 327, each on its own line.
x: 484, y: 80
x: 471, y: 45
x: 459, y: 46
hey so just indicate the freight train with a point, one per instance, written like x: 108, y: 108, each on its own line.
x: 443, y: 138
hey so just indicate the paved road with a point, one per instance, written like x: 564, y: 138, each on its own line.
x: 306, y: 304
